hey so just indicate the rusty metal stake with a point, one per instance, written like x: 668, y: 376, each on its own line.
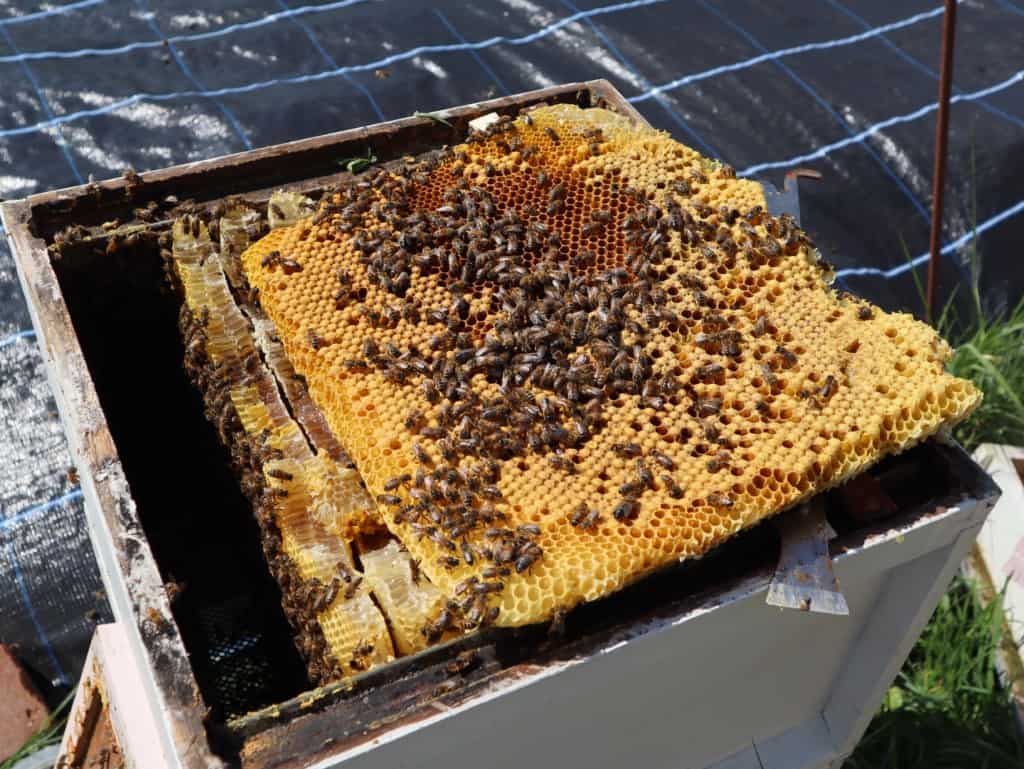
x: 941, y: 142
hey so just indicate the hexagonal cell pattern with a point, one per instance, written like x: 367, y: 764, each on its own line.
x: 589, y: 352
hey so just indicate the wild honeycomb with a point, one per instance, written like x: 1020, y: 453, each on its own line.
x: 570, y: 351
x: 406, y: 597
x: 309, y: 496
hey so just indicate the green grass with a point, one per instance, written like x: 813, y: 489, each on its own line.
x: 992, y: 356
x: 948, y: 708
x: 989, y: 352
x: 49, y: 734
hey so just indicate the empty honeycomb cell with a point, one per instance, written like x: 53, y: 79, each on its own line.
x: 566, y: 311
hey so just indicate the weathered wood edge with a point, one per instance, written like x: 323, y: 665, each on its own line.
x: 280, y: 163
x: 110, y: 510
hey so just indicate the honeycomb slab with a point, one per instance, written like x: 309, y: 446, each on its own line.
x: 571, y: 351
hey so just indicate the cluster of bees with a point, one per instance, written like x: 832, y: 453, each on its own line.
x: 567, y: 339
x: 302, y: 599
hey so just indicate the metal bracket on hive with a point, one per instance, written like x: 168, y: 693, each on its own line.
x: 804, y: 578
x: 787, y: 199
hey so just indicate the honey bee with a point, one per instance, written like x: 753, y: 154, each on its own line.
x: 700, y: 298
x: 644, y: 476
x: 673, y: 488
x: 483, y: 588
x: 627, y: 508
x: 579, y: 514
x: 414, y: 419
x: 421, y: 455
x: 157, y: 621
x: 445, y: 687
x: 719, y: 461
x: 363, y: 649
x: 560, y: 462
x: 391, y: 315
x: 627, y: 450
x: 371, y: 315
x: 706, y: 407
x: 865, y: 313
x: 590, y: 520
x: 788, y: 358
x: 710, y: 371
x: 326, y: 598
x: 463, y: 662
x: 630, y: 489
x: 527, y: 560
x: 828, y: 389
x: 663, y: 459
x: 400, y: 480
x: 132, y: 180
x: 719, y: 500
x: 551, y: 134
x: 714, y: 322
x: 430, y: 391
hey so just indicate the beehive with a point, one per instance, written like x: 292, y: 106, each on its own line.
x: 570, y: 351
